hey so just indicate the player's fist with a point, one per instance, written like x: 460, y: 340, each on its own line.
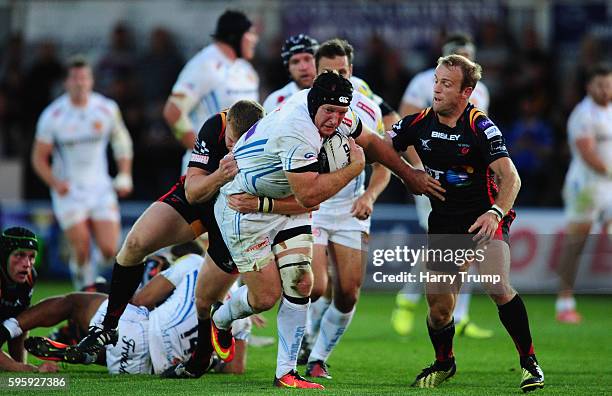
x: 357, y: 155
x: 243, y: 203
x: 123, y: 184
x: 422, y: 183
x: 61, y: 187
x: 228, y: 167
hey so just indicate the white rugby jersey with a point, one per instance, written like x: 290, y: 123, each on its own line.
x: 216, y: 83
x: 283, y: 140
x: 419, y: 92
x: 279, y: 96
x: 369, y: 113
x: 181, y: 303
x: 80, y: 136
x: 590, y: 119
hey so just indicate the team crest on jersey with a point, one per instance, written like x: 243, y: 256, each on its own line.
x: 97, y: 125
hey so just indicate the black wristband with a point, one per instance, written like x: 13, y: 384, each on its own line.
x: 261, y: 204
x: 499, y: 213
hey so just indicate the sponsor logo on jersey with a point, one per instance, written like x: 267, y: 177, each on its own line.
x: 492, y: 131
x: 497, y: 146
x: 485, y: 123
x: 425, y: 144
x: 347, y: 121
x: 367, y: 110
x: 309, y: 155
x: 203, y: 159
x: 436, y: 174
x: 444, y: 136
x: 258, y: 245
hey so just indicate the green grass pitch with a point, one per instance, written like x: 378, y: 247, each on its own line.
x: 372, y: 360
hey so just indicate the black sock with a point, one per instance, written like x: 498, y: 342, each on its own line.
x: 124, y: 282
x: 513, y: 315
x: 442, y: 341
x: 4, y: 335
x: 201, y: 356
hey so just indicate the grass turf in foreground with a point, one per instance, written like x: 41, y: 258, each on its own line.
x: 371, y: 359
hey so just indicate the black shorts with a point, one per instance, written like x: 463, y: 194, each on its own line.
x: 201, y: 218
x: 449, y: 234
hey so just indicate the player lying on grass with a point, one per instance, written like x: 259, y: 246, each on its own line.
x: 151, y: 338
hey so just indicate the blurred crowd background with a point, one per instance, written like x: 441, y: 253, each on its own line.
x: 534, y: 56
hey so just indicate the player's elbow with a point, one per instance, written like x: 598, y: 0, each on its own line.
x: 307, y: 200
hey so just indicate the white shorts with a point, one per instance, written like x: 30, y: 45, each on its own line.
x: 249, y: 237
x: 171, y: 341
x: 81, y: 204
x: 131, y: 354
x: 422, y: 205
x: 339, y: 226
x: 587, y: 202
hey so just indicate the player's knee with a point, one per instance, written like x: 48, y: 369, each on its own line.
x: 108, y: 252
x: 294, y: 257
x: 347, y: 300
x: 440, y: 314
x: 134, y: 246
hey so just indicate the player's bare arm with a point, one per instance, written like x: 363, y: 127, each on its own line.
x: 382, y: 151
x: 364, y: 205
x: 155, y: 291
x: 312, y: 188
x: 175, y: 113
x: 586, y: 147
x: 41, y: 162
x: 247, y: 203
x: 201, y: 186
x: 509, y: 184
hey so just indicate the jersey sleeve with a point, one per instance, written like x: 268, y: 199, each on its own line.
x: 44, y: 127
x: 404, y: 132
x: 198, y: 78
x: 579, y: 125
x: 489, y: 138
x: 351, y: 125
x: 297, y: 152
x: 179, y: 270
x: 206, y: 154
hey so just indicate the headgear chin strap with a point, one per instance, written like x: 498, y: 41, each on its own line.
x: 329, y: 88
x: 231, y: 26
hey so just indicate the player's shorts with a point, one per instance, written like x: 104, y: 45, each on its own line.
x: 422, y: 205
x: 450, y: 233
x: 131, y: 354
x: 80, y: 204
x: 340, y: 228
x: 201, y: 218
x: 250, y: 237
x: 587, y: 202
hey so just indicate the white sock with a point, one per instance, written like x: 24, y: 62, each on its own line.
x: 76, y: 273
x: 462, y: 306
x: 565, y: 304
x: 291, y: 324
x: 313, y: 319
x: 413, y: 291
x: 236, y: 307
x: 12, y: 326
x: 333, y: 326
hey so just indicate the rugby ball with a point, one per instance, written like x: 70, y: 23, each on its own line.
x: 335, y: 153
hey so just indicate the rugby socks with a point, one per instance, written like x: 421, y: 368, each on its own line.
x: 291, y: 324
x: 513, y: 316
x: 200, y: 358
x: 313, y: 319
x: 9, y: 329
x: 124, y: 282
x: 565, y: 304
x: 236, y: 307
x: 442, y: 341
x: 463, y: 303
x: 333, y: 326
